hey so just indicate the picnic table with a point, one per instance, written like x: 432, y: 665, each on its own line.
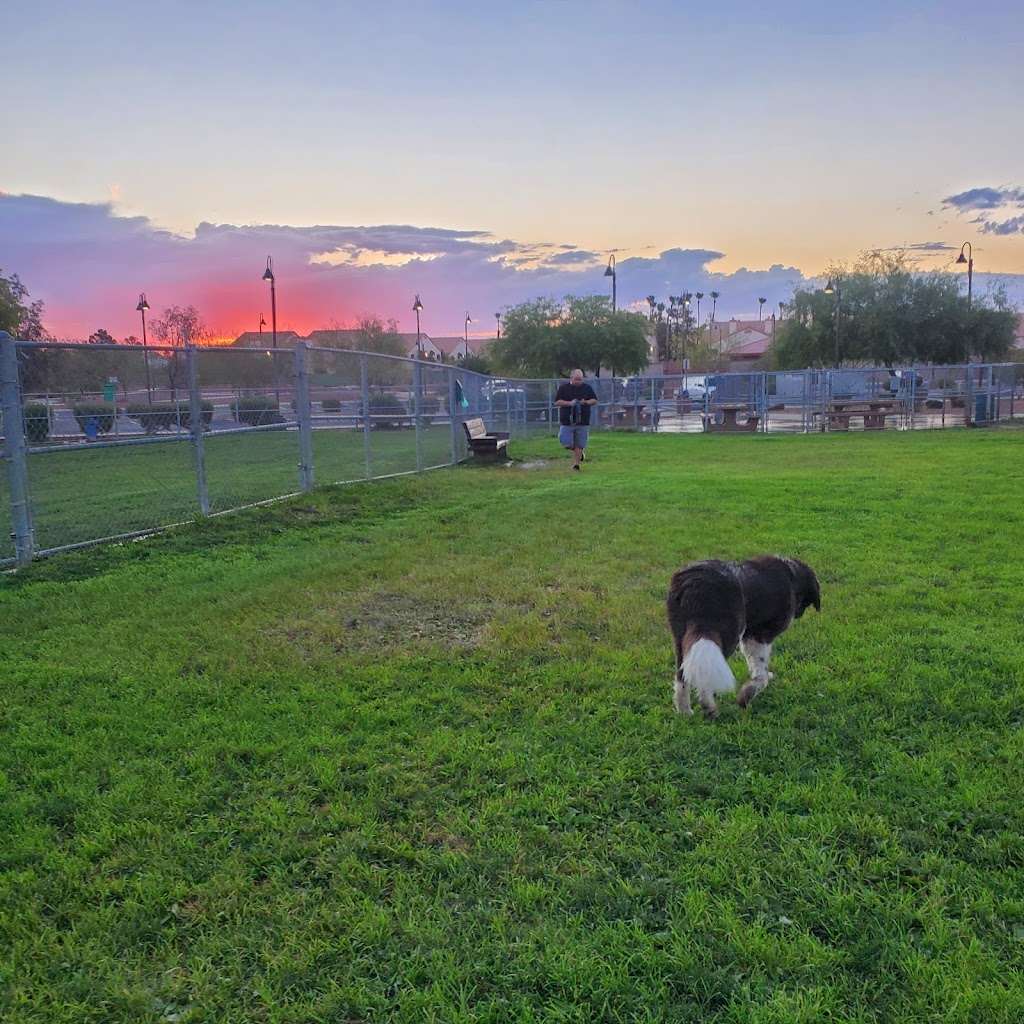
x: 873, y: 412
x: 729, y: 412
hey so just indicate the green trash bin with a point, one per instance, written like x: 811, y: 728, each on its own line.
x: 109, y: 391
x: 982, y: 405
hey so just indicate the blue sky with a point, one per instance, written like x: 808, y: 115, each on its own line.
x: 481, y: 154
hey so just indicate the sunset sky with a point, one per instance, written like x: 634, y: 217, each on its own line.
x: 483, y: 153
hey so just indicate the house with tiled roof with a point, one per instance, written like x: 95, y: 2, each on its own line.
x: 334, y: 337
x: 265, y: 339
x: 456, y: 347
x: 426, y: 344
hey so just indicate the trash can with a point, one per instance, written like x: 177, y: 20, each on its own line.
x: 92, y: 426
x: 982, y: 405
x: 109, y: 391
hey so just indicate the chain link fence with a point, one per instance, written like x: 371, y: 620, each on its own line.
x: 116, y: 442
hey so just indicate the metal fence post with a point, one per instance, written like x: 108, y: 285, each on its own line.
x: 454, y: 410
x: 364, y: 383
x: 417, y: 411
x: 15, y: 450
x: 303, y: 410
x: 196, y: 406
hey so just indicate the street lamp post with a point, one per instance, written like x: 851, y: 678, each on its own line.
x: 497, y: 318
x: 268, y: 275
x: 417, y: 306
x: 969, y: 260
x: 686, y: 327
x: 829, y: 289
x: 610, y: 272
x: 141, y: 308
x: 469, y: 320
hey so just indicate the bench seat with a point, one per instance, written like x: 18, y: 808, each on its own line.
x: 483, y: 445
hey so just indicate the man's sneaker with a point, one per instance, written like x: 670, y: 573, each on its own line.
x: 575, y: 469
x: 583, y: 456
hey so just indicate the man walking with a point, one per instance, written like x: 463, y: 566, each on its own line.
x: 574, y: 400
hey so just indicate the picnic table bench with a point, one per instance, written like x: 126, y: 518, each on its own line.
x: 873, y: 413
x: 483, y: 445
x: 729, y: 413
x: 633, y: 414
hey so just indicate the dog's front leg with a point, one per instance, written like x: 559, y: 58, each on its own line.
x: 758, y: 655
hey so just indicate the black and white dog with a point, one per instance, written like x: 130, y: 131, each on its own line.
x: 715, y: 606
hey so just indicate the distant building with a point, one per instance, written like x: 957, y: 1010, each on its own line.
x: 265, y: 339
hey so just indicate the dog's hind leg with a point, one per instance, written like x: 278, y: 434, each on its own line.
x: 758, y: 655
x: 681, y: 688
x: 681, y: 694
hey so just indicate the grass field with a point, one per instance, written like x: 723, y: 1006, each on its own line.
x: 405, y: 751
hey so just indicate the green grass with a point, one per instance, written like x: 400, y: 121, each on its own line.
x: 86, y: 493
x: 405, y: 751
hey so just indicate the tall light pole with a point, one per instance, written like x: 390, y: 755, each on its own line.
x: 610, y: 272
x: 969, y: 260
x: 141, y: 308
x: 469, y: 320
x: 829, y: 289
x: 686, y: 327
x: 715, y: 296
x: 268, y: 275
x: 497, y: 317
x: 416, y: 307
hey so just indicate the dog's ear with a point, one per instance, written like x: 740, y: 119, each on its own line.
x: 807, y: 589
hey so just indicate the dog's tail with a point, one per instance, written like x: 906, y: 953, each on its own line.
x: 706, y: 670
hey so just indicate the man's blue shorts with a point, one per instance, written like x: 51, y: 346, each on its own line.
x: 573, y: 437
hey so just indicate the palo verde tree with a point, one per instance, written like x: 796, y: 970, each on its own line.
x: 888, y: 313
x: 546, y: 338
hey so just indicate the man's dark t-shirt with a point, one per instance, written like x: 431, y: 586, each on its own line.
x: 570, y: 393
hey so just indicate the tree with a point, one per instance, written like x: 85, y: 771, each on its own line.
x: 373, y: 334
x: 172, y: 330
x: 100, y: 337
x: 19, y: 317
x: 760, y: 308
x: 23, y: 320
x: 890, y: 313
x: 546, y: 338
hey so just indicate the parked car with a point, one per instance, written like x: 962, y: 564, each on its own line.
x: 900, y: 380
x: 696, y: 389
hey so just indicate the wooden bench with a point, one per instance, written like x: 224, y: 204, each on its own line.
x: 729, y: 418
x: 484, y: 446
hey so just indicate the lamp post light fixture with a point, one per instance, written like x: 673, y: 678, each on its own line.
x: 610, y: 272
x: 829, y: 289
x: 268, y: 275
x: 969, y: 260
x: 416, y: 307
x: 141, y: 308
x: 469, y: 320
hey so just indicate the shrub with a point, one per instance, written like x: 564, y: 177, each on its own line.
x: 37, y: 421
x: 102, y: 412
x: 332, y: 405
x: 257, y: 411
x: 383, y: 406
x: 167, y: 416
